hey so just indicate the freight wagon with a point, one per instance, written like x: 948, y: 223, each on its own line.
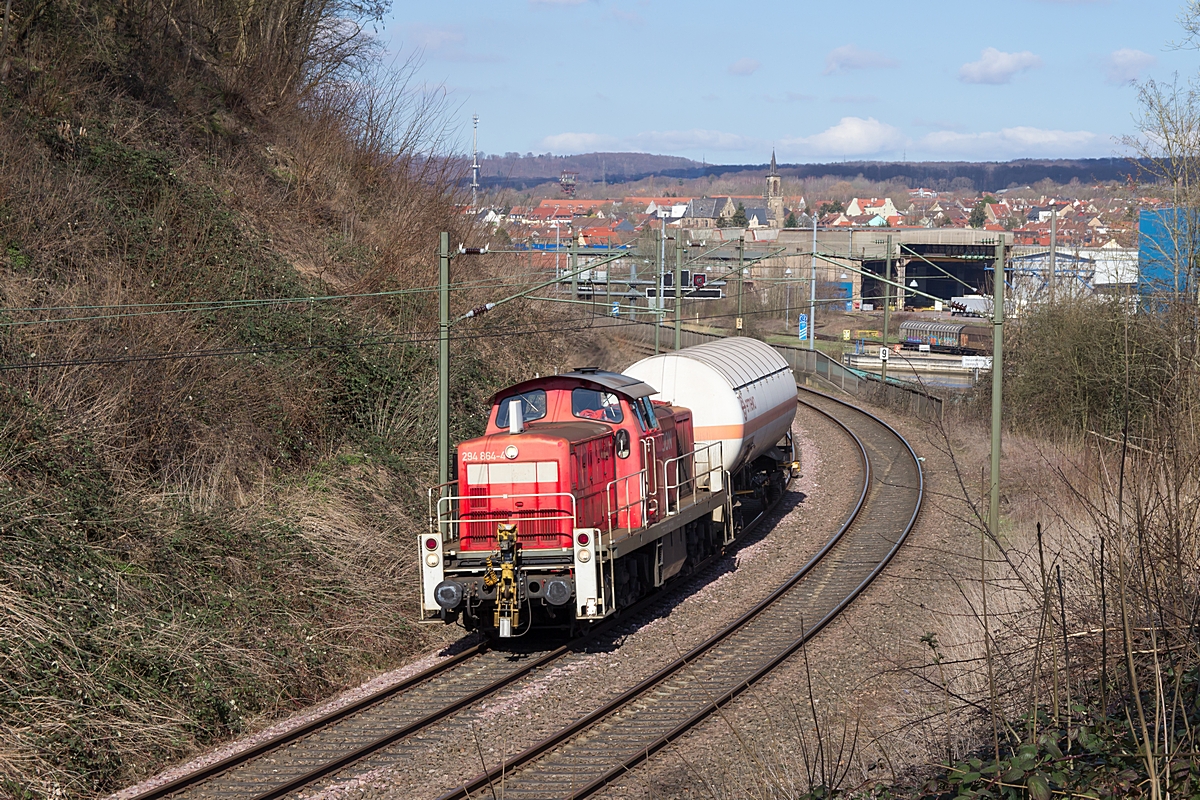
x: 955, y: 338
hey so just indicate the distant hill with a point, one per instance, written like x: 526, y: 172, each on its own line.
x: 982, y: 175
x: 613, y: 167
x: 515, y: 171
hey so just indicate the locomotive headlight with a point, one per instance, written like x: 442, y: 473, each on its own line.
x: 584, y: 556
x: 431, y: 559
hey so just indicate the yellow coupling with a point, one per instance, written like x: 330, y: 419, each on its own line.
x: 508, y: 606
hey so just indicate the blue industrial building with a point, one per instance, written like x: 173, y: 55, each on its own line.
x: 1167, y: 251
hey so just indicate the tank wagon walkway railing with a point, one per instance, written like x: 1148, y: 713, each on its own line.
x: 826, y: 371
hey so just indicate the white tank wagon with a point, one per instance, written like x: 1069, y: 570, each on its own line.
x: 741, y: 393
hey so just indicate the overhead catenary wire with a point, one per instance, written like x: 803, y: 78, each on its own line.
x: 191, y: 306
x: 412, y: 337
x: 188, y: 306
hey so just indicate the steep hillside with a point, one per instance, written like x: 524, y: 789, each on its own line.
x: 217, y: 238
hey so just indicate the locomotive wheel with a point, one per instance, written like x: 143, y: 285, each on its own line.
x: 633, y: 578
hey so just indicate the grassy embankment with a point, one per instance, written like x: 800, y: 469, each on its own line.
x: 1069, y: 664
x: 193, y: 544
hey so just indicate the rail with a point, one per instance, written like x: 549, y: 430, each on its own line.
x: 448, y: 517
x: 633, y: 489
x: 605, y: 744
x: 612, y: 494
x: 455, y: 689
x: 435, y: 494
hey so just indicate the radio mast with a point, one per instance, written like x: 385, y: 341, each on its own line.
x: 475, y: 165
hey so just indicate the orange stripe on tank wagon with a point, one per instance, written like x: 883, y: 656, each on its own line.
x: 708, y: 433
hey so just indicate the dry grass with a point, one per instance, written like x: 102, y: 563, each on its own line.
x: 192, y: 546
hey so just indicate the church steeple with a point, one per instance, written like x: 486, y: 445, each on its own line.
x: 774, y: 194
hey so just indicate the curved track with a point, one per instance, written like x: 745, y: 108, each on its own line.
x: 592, y: 752
x: 588, y: 754
x: 326, y: 744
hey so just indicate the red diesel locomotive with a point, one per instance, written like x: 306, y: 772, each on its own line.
x: 584, y: 494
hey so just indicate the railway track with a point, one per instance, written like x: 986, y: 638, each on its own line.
x: 390, y: 718
x: 320, y: 747
x: 589, y: 754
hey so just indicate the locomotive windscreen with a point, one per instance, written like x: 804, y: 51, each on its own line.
x: 597, y: 405
x: 533, y: 406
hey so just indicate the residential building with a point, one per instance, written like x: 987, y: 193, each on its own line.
x: 862, y: 206
x: 707, y: 212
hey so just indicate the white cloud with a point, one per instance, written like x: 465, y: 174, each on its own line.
x: 852, y: 136
x: 1016, y: 142
x: 435, y: 37
x: 696, y: 139
x: 1126, y: 65
x: 996, y: 66
x: 848, y: 57
x: 566, y: 143
x: 744, y: 66
x: 446, y: 43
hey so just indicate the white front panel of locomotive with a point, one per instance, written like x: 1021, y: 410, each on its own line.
x: 589, y: 599
x: 432, y: 570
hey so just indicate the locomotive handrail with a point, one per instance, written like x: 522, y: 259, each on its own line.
x: 694, y: 480
x: 650, y: 456
x: 452, y: 520
x: 434, y: 520
x: 611, y: 493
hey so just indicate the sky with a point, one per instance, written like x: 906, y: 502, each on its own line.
x: 725, y: 82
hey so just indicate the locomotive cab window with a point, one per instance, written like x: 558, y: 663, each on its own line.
x: 644, y: 412
x: 533, y: 406
x: 651, y: 417
x: 597, y: 405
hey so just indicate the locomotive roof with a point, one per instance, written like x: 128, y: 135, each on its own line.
x: 614, y: 382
